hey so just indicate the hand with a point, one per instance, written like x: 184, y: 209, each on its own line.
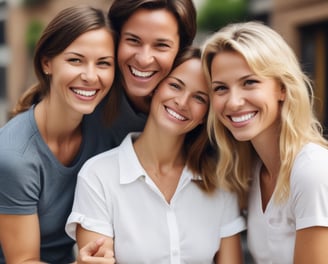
x: 96, y: 252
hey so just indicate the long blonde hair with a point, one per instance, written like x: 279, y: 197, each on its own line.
x: 269, y: 56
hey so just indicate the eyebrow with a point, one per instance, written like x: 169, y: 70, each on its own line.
x: 80, y: 55
x: 159, y: 40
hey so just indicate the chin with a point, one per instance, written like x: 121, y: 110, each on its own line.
x: 242, y: 138
x: 140, y: 92
x: 87, y: 111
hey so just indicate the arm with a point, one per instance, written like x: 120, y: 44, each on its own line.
x: 20, y: 238
x: 230, y: 251
x: 94, y: 247
x: 311, y: 245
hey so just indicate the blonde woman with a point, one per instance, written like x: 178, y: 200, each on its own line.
x: 270, y: 142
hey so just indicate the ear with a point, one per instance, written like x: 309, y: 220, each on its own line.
x: 282, y: 93
x: 46, y: 65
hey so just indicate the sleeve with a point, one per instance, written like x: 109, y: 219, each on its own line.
x: 20, y: 184
x: 309, y: 191
x: 233, y: 222
x: 91, y: 209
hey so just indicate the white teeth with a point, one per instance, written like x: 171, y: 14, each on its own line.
x: 141, y: 74
x: 176, y: 115
x: 84, y: 92
x: 242, y: 118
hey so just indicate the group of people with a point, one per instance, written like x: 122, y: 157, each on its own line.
x: 143, y: 148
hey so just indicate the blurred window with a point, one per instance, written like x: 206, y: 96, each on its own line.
x: 2, y: 32
x: 314, y: 59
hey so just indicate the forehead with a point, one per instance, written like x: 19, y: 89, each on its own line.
x: 191, y: 74
x: 96, y: 41
x: 153, y: 22
x: 228, y: 61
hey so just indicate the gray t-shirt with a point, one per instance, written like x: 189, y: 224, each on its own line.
x: 33, y: 181
x: 128, y: 120
x: 36, y: 182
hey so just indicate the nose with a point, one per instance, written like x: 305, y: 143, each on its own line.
x: 182, y: 100
x: 89, y: 74
x: 144, y: 56
x: 235, y: 99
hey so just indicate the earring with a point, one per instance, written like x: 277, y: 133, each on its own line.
x: 46, y: 73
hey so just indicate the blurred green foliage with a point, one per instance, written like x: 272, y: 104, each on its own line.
x: 214, y: 14
x: 33, y: 33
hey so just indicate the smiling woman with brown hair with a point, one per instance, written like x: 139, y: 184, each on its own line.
x: 44, y: 145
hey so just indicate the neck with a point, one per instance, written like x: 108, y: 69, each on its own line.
x: 140, y: 103
x: 267, y: 148
x: 159, y: 150
x: 61, y: 133
x: 163, y: 160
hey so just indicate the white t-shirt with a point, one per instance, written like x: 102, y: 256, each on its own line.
x: 116, y: 197
x: 271, y: 235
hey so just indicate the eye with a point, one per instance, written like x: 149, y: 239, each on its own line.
x: 74, y: 60
x: 132, y: 41
x: 201, y: 99
x: 104, y: 63
x: 175, y: 85
x: 250, y: 82
x: 163, y: 45
x: 219, y: 88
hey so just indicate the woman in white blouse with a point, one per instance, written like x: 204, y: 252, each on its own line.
x: 262, y: 118
x: 155, y: 197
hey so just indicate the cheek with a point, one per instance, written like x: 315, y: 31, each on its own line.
x: 217, y: 105
x: 201, y: 113
x: 107, y: 77
x: 124, y: 52
x: 63, y: 75
x: 165, y: 61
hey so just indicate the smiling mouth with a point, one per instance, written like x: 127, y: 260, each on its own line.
x: 141, y: 74
x: 243, y: 118
x: 175, y: 114
x: 85, y: 93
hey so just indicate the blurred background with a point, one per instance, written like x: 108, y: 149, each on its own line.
x: 303, y: 23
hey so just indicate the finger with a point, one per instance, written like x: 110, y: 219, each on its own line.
x: 92, y: 247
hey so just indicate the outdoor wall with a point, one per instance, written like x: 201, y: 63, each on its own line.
x: 289, y: 15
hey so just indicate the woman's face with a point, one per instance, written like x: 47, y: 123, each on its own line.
x: 246, y: 104
x: 149, y: 42
x: 83, y: 73
x: 181, y: 101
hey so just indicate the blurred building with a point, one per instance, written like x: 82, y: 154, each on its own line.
x: 304, y: 25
